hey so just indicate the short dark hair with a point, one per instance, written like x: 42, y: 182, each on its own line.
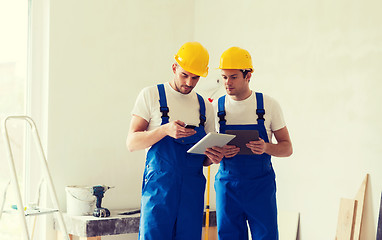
x: 245, y: 72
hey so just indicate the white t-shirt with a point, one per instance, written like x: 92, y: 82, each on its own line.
x: 183, y: 107
x: 244, y: 112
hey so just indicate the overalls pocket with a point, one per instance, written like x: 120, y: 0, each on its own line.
x: 148, y: 176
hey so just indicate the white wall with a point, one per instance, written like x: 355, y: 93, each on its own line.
x: 102, y: 53
x: 319, y: 59
x: 322, y: 61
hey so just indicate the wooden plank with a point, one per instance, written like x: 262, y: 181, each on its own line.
x: 345, y: 219
x: 379, y: 230
x: 90, y: 238
x: 61, y: 237
x: 360, y: 198
x: 212, y: 233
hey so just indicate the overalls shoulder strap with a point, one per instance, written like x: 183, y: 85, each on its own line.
x: 221, y: 112
x: 202, y: 111
x: 165, y: 110
x: 163, y: 104
x: 260, y: 111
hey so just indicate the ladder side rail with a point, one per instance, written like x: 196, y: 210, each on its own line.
x: 14, y: 181
x: 48, y: 177
x: 4, y: 198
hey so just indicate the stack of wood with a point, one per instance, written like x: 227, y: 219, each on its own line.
x: 350, y: 215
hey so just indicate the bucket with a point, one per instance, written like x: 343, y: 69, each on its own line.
x: 80, y: 200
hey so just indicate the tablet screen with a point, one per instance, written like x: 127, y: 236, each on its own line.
x: 210, y: 140
x: 242, y: 138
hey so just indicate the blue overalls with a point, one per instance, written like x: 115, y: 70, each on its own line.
x: 173, y: 185
x: 246, y: 188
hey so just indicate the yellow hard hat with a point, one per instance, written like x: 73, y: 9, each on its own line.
x: 193, y: 58
x: 236, y: 58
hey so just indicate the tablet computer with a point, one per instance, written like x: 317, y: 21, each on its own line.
x: 242, y: 138
x: 210, y: 140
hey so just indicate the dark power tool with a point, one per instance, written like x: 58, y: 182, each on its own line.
x: 99, y: 211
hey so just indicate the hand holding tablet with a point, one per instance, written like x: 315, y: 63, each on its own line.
x: 242, y: 138
x: 210, y: 140
x: 238, y: 138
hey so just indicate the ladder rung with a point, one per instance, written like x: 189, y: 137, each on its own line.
x: 40, y: 211
x: 33, y: 212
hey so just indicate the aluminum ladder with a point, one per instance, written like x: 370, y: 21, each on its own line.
x: 46, y: 177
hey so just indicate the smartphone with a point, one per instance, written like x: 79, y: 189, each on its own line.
x: 189, y: 126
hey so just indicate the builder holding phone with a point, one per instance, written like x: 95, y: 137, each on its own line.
x: 245, y: 184
x: 173, y: 185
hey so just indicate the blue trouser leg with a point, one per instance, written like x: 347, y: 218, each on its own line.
x: 172, y: 206
x: 231, y: 218
x: 159, y: 202
x: 246, y: 199
x: 261, y: 209
x: 190, y: 212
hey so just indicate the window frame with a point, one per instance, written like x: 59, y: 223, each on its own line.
x: 37, y: 104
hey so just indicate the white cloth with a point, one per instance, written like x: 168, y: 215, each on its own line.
x: 244, y: 112
x: 183, y: 107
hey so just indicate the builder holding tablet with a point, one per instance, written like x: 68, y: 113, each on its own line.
x: 245, y: 183
x: 173, y: 186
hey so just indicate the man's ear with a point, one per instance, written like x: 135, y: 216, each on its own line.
x: 248, y: 76
x: 174, y: 66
